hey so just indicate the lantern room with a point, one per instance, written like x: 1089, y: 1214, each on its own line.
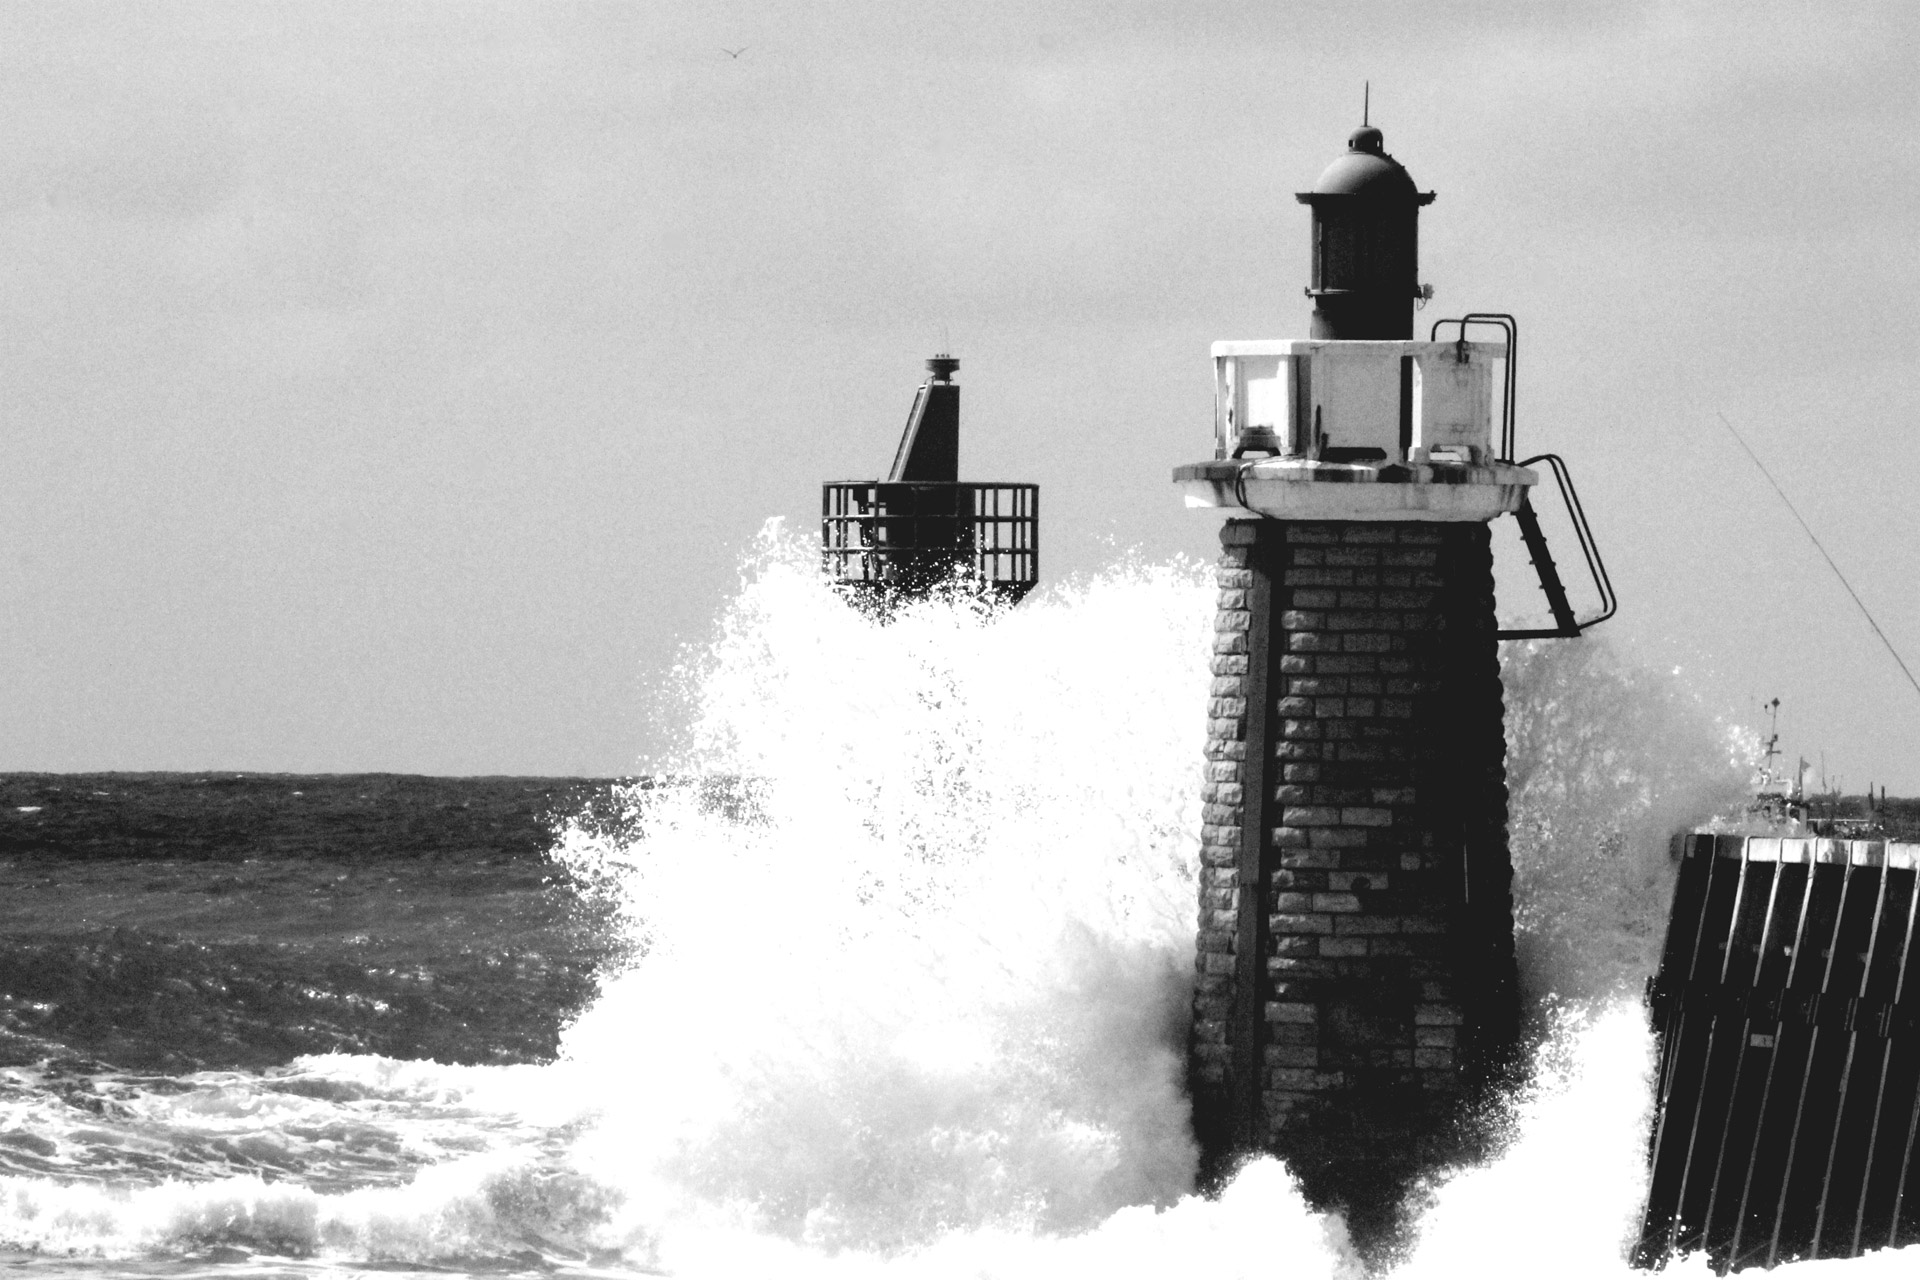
x: 1366, y: 244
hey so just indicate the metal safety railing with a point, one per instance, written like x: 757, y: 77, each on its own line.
x: 1789, y: 1081
x: 1565, y: 625
x: 1511, y: 327
x: 887, y: 538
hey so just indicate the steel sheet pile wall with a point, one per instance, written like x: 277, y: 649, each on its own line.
x: 1785, y: 1002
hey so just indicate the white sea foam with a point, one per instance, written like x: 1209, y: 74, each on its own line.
x: 914, y: 944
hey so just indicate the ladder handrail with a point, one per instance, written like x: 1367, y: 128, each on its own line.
x: 1566, y: 627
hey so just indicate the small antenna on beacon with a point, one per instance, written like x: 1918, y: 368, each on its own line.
x: 1366, y: 101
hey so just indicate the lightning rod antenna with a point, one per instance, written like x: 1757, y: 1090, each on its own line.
x: 1366, y: 101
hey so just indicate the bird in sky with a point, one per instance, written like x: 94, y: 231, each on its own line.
x: 735, y: 53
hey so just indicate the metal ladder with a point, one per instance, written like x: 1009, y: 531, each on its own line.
x: 1565, y: 625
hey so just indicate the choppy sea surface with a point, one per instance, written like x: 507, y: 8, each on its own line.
x: 885, y: 973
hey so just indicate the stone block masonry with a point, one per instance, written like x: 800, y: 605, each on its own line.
x: 1355, y: 964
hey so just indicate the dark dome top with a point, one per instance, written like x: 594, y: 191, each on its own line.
x: 1367, y: 170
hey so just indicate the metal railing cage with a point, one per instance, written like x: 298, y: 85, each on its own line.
x: 889, y: 538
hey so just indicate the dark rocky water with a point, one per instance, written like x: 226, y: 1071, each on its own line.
x: 184, y: 922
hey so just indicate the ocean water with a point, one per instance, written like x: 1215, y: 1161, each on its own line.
x: 887, y: 977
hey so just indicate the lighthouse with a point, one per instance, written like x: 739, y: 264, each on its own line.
x: 1355, y: 985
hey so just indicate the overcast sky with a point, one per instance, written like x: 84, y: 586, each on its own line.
x: 397, y: 386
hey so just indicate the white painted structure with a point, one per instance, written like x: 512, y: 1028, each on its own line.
x: 1341, y: 430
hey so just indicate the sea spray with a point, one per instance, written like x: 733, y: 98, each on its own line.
x: 925, y: 963
x: 954, y: 772
x: 911, y: 950
x: 932, y: 830
x: 1568, y: 1185
x: 1605, y: 761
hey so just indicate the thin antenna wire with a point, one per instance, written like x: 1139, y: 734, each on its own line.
x: 1366, y: 101
x: 1823, y: 555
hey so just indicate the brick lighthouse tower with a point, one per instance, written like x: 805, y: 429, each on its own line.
x: 1356, y: 979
